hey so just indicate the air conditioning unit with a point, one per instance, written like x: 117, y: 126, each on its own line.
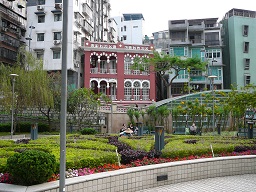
x: 40, y: 8
x: 77, y: 64
x: 58, y: 6
x: 56, y: 42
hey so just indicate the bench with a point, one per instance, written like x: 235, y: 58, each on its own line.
x: 179, y: 131
x: 184, y: 131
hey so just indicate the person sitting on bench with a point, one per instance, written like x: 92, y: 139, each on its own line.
x: 192, y: 129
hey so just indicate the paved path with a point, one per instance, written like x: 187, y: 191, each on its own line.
x: 239, y: 183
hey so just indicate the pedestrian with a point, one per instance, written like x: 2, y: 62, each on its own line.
x: 193, y: 129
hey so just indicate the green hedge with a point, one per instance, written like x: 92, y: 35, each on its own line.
x: 23, y: 127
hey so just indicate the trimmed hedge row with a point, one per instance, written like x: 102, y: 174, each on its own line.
x: 23, y: 127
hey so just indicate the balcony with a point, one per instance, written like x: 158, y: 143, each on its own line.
x: 87, y: 28
x: 103, y: 71
x: 87, y: 11
x: 178, y: 41
x: 196, y: 41
x: 196, y: 26
x: 178, y: 25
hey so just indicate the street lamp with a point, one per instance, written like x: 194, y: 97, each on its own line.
x: 13, y: 81
x: 29, y: 37
x: 212, y: 77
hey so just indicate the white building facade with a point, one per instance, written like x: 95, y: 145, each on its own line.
x: 130, y: 28
x: 88, y: 20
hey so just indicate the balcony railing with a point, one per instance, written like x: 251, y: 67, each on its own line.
x: 145, y: 97
x: 103, y: 70
x: 112, y: 71
x: 94, y: 70
x: 87, y: 11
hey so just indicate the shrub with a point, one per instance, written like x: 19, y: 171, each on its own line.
x: 5, y: 127
x: 31, y: 167
x: 88, y: 131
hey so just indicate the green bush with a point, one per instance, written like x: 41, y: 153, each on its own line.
x: 31, y: 167
x: 24, y: 127
x: 88, y: 131
x: 5, y: 127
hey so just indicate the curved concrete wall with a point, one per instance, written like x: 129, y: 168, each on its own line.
x: 143, y: 177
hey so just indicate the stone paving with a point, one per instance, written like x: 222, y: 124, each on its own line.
x: 238, y: 183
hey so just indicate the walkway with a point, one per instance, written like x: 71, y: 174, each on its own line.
x: 238, y: 183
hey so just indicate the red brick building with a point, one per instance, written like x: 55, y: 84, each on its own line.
x: 107, y: 69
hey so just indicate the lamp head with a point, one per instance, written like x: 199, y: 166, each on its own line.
x: 14, y: 75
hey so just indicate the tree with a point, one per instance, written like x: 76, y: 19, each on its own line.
x: 32, y: 87
x: 83, y: 105
x: 164, y: 65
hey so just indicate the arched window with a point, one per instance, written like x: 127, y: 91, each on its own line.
x: 103, y: 87
x: 128, y: 90
x: 112, y: 65
x: 103, y: 64
x: 145, y: 91
x: 136, y: 90
x: 127, y: 65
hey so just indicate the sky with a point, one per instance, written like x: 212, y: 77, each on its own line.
x: 157, y: 13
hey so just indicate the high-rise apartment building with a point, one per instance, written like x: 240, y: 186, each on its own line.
x: 12, y: 29
x: 239, y: 29
x: 130, y: 28
x: 196, y: 38
x: 88, y: 20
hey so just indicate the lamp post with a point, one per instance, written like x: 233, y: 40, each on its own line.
x: 212, y: 77
x: 13, y: 82
x: 29, y: 37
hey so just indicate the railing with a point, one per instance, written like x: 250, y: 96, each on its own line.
x: 145, y: 97
x: 103, y: 70
x: 94, y: 70
x: 112, y: 71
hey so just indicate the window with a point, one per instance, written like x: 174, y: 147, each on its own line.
x: 135, y: 26
x: 40, y: 55
x: 40, y: 36
x: 245, y: 30
x: 212, y: 38
x: 57, y: 17
x: 136, y: 90
x: 103, y: 88
x: 124, y: 37
x: 124, y: 28
x: 247, y: 79
x: 41, y: 18
x: 56, y: 54
x: 215, y: 53
x: 56, y: 35
x: 145, y: 91
x: 128, y: 90
x: 246, y: 64
x: 127, y: 65
x: 121, y: 28
x: 58, y: 1
x: 41, y: 2
x: 246, y: 47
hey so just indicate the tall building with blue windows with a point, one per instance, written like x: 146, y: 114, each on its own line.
x: 196, y: 38
x: 238, y: 33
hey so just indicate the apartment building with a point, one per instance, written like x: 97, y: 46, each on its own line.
x: 238, y: 33
x: 12, y: 29
x: 130, y: 28
x: 196, y: 38
x: 88, y: 20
